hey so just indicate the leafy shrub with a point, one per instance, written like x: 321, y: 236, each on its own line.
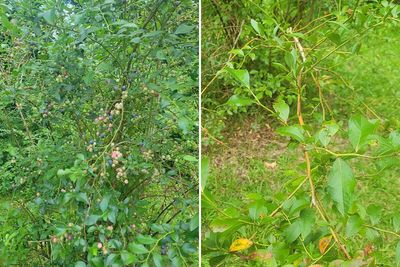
x: 98, y: 131
x: 282, y: 62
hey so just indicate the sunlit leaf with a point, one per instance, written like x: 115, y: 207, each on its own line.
x: 239, y: 101
x: 341, y: 185
x: 240, y: 75
x: 360, y: 129
x: 294, y: 131
x: 49, y: 16
x: 398, y: 253
x: 127, y: 257
x: 205, y: 164
x: 353, y: 225
x: 255, y: 26
x: 184, y: 29
x: 137, y: 248
x: 282, y: 109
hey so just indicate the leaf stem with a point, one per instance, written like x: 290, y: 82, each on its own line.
x: 314, y: 199
x: 383, y: 230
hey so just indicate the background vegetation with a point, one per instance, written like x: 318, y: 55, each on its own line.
x: 98, y: 133
x: 301, y: 130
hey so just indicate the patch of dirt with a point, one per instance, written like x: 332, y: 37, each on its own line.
x: 248, y: 140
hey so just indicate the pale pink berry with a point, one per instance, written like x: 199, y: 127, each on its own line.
x: 99, y: 245
x: 116, y: 154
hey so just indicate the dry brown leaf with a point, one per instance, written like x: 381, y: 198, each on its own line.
x: 368, y: 249
x: 270, y: 165
x: 240, y: 244
x: 260, y: 255
x: 324, y: 243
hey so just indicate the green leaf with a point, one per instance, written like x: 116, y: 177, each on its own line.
x: 6, y: 23
x: 255, y: 26
x: 326, y: 133
x: 239, y: 101
x: 104, y: 203
x: 293, y: 231
x: 157, y: 259
x: 80, y: 264
x: 398, y: 254
x: 341, y: 185
x: 307, y: 217
x: 240, y: 75
x: 217, y: 260
x: 92, y: 219
x: 194, y: 222
x: 111, y: 259
x: 137, y: 248
x: 184, y: 124
x: 190, y: 158
x: 49, y: 16
x: 62, y: 172
x: 112, y: 216
x: 145, y: 239
x: 291, y: 60
x: 334, y: 37
x: 257, y: 210
x: 396, y: 222
x: 360, y: 129
x: 205, y: 164
x: 82, y: 197
x: 282, y: 109
x: 97, y: 261
x: 353, y: 226
x: 160, y: 55
x: 227, y: 226
x: 127, y: 257
x: 374, y: 212
x: 184, y: 29
x: 294, y: 131
x: 189, y: 249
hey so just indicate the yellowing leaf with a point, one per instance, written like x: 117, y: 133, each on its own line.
x: 324, y: 243
x: 240, y: 244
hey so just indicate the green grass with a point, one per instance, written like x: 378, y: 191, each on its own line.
x: 239, y: 169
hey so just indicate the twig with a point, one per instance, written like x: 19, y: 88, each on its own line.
x: 383, y: 230
x: 24, y: 122
x: 314, y: 199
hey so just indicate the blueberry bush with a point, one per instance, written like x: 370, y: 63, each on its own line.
x: 98, y: 133
x: 290, y: 64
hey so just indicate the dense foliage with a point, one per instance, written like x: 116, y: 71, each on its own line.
x: 285, y: 59
x: 98, y: 133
